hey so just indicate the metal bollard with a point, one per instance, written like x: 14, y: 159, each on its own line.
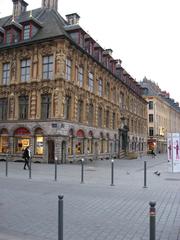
x: 60, y: 217
x: 6, y: 165
x: 152, y: 221
x: 82, y: 170
x: 30, y: 168
x: 55, y: 174
x: 145, y: 174
x: 112, y: 172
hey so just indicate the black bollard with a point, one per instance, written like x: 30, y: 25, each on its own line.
x: 55, y: 174
x: 152, y: 221
x: 82, y: 170
x: 60, y: 218
x: 30, y: 168
x: 112, y: 172
x: 6, y: 165
x: 145, y: 174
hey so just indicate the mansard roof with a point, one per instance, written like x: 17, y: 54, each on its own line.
x: 51, y: 22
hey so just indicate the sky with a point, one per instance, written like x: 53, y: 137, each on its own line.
x: 144, y: 34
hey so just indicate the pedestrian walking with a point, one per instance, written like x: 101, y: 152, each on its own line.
x: 26, y: 156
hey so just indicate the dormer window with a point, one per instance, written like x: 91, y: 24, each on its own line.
x: 26, y: 32
x: 12, y: 36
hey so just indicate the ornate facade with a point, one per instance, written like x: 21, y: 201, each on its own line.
x: 61, y: 93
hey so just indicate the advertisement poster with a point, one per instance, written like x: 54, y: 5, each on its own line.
x: 170, y: 152
x: 176, y: 152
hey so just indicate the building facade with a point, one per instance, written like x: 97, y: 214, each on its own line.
x: 63, y: 94
x: 163, y: 115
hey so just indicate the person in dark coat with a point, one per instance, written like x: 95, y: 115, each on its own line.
x: 26, y: 156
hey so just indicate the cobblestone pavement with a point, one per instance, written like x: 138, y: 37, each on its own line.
x: 93, y: 210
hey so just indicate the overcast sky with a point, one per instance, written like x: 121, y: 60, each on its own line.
x: 144, y: 34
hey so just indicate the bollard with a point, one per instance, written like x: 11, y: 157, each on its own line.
x: 60, y: 218
x: 30, y: 168
x: 6, y: 165
x: 82, y: 170
x: 152, y: 221
x: 55, y: 174
x: 145, y: 174
x: 112, y: 172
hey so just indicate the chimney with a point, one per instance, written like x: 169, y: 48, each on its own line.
x: 51, y: 4
x: 19, y: 6
x: 73, y: 18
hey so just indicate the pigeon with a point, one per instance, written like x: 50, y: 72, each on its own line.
x: 155, y: 172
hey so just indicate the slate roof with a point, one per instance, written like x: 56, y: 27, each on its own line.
x: 51, y: 21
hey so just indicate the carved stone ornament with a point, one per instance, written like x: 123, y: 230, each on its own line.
x: 46, y: 50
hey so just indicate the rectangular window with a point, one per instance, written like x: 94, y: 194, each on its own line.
x: 108, y: 89
x: 26, y: 33
x: 23, y: 107
x: 45, y: 106
x: 91, y: 82
x: 47, y: 67
x: 150, y: 117
x: 67, y: 107
x: 150, y: 104
x: 99, y: 117
x: 113, y: 120
x: 68, y: 69
x: 6, y: 73
x: 3, y: 109
x: 151, y: 131
x: 100, y: 87
x: 25, y: 70
x: 8, y: 36
x: 80, y: 111
x: 80, y: 76
x: 107, y: 118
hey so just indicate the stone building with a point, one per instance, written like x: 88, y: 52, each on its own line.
x: 163, y: 115
x: 62, y: 93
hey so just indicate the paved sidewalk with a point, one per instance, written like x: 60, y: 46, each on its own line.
x: 93, y: 210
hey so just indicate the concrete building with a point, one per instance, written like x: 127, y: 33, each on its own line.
x: 163, y: 115
x: 62, y: 93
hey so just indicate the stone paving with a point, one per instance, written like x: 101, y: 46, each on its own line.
x: 93, y: 210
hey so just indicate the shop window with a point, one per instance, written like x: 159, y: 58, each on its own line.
x: 39, y: 145
x: 4, y: 141
x: 90, y: 143
x: 80, y: 142
x: 22, y: 139
x: 39, y: 142
x: 70, y: 142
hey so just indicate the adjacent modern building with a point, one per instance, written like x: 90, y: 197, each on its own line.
x: 63, y: 94
x: 163, y: 115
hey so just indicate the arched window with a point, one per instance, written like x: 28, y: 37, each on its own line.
x: 39, y: 141
x: 4, y: 140
x: 22, y: 139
